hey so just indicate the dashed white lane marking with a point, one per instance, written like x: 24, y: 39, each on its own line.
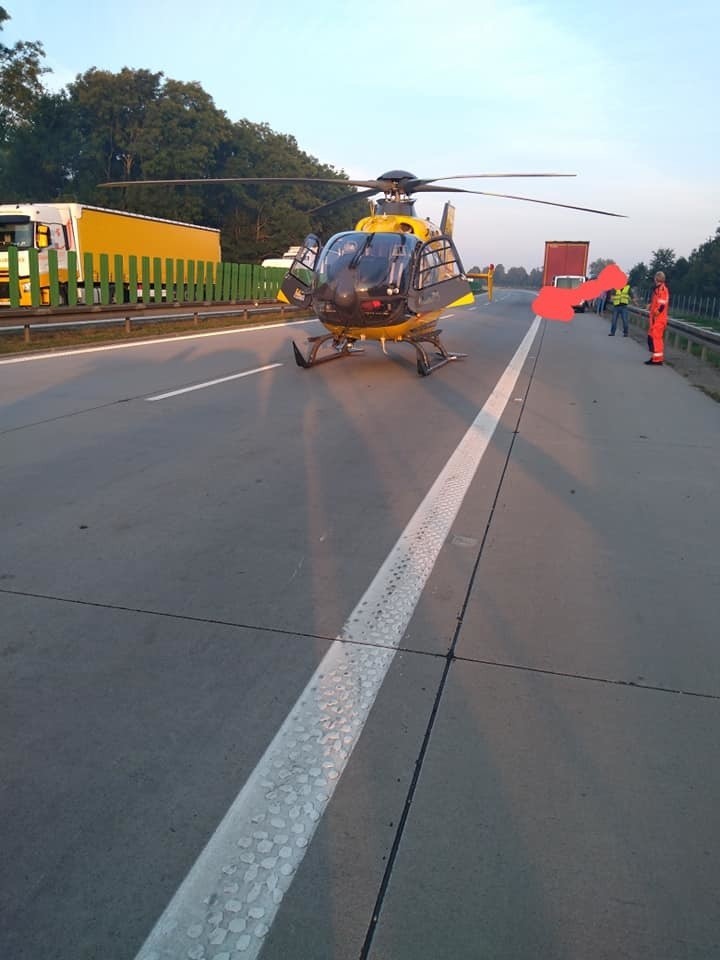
x: 212, y: 383
x: 227, y: 903
x: 80, y: 351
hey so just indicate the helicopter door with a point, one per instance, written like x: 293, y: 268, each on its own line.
x: 297, y: 286
x: 439, y: 278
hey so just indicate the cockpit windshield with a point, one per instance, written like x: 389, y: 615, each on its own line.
x: 16, y: 235
x: 379, y: 261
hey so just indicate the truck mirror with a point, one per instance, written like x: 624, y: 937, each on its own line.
x: 43, y: 236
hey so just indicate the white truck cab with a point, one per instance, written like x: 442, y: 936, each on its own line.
x: 284, y: 262
x: 572, y: 283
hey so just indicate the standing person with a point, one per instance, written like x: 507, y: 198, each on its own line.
x: 658, y: 317
x: 600, y: 302
x: 620, y: 301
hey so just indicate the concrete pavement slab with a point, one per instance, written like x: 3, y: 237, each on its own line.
x: 124, y: 739
x: 559, y: 818
x: 326, y: 913
x: 602, y: 556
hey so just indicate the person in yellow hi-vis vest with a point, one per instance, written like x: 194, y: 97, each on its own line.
x: 620, y: 301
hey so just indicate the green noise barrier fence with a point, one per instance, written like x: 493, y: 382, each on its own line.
x: 116, y: 279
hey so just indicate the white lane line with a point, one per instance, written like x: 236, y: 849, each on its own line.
x: 211, y: 383
x: 26, y: 358
x: 229, y: 900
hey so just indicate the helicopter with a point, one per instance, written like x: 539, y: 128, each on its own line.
x: 388, y: 279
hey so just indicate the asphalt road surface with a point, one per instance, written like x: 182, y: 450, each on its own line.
x: 349, y: 663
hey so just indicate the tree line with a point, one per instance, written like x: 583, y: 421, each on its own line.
x: 517, y: 277
x: 696, y: 275
x: 136, y: 125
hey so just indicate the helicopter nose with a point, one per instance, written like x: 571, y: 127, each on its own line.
x: 344, y: 295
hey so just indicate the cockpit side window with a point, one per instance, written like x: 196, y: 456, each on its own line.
x: 439, y: 261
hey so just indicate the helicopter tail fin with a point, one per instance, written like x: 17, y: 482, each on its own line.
x: 447, y: 224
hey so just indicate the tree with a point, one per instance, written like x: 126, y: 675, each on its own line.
x: 703, y: 274
x: 678, y: 274
x: 597, y: 266
x: 662, y: 259
x: 136, y: 124
x: 517, y: 277
x: 21, y: 86
x: 639, y: 277
x: 499, y: 275
x: 266, y: 219
x: 179, y: 133
x: 40, y: 157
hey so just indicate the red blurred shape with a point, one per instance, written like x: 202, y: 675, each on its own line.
x: 554, y: 303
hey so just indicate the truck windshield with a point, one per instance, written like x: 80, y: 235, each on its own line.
x: 568, y: 283
x: 16, y: 235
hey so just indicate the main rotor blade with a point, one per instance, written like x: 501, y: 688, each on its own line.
x: 378, y: 186
x: 211, y: 180
x: 479, y: 176
x: 511, y: 196
x: 346, y: 199
x: 410, y: 185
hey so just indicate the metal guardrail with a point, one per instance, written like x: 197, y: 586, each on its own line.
x: 130, y: 315
x: 699, y: 306
x: 691, y: 332
x: 137, y: 314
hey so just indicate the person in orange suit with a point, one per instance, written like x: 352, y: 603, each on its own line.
x: 658, y: 316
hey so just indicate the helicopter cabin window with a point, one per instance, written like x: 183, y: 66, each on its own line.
x: 379, y: 261
x: 306, y: 257
x: 438, y: 262
x: 303, y: 265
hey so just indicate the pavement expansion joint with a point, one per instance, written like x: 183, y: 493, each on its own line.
x: 66, y: 416
x: 123, y: 608
x: 260, y: 628
x: 587, y: 677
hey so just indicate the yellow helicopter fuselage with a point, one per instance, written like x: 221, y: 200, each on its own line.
x: 387, y: 280
x: 397, y: 223
x: 401, y: 224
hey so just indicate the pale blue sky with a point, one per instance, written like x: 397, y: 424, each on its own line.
x: 623, y: 94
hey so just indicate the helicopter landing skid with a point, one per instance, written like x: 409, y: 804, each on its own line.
x: 341, y: 348
x: 425, y: 365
